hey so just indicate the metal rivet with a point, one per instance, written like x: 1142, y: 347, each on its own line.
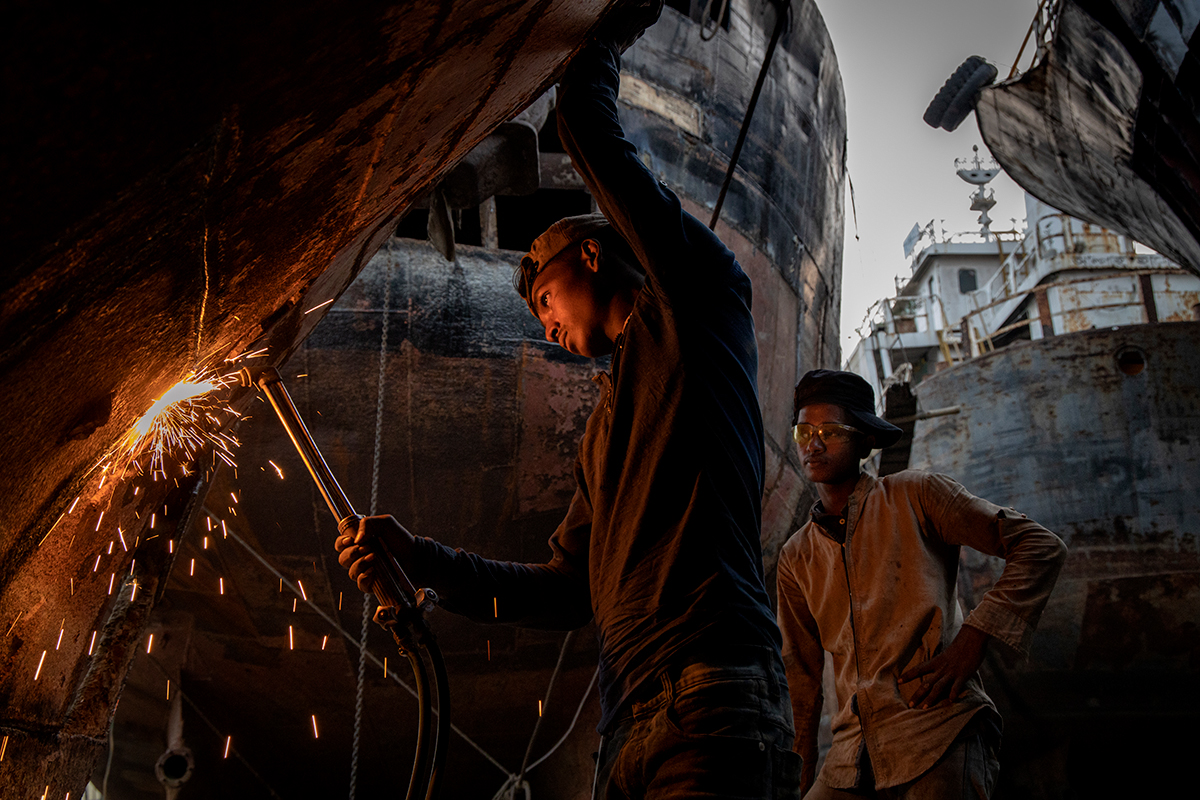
x: 761, y: 746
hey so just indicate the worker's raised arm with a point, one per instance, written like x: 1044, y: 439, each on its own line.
x: 673, y: 246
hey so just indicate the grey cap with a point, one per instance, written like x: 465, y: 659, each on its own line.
x: 545, y: 248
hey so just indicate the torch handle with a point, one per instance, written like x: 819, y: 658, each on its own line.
x: 392, y: 587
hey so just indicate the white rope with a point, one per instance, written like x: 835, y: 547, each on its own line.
x: 358, y: 695
x: 578, y: 710
x: 381, y: 384
x: 511, y: 782
x: 562, y: 652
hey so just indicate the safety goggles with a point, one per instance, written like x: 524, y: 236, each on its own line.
x: 827, y: 432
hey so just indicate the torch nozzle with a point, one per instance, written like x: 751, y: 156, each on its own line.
x: 258, y: 376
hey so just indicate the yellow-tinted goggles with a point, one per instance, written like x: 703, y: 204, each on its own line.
x: 827, y: 432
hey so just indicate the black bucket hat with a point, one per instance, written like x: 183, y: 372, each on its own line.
x: 851, y: 392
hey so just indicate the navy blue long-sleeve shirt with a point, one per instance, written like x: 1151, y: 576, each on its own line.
x: 661, y: 540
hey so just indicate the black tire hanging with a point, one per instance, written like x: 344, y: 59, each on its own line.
x: 958, y: 95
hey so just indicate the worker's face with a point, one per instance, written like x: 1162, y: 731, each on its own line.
x: 826, y: 460
x: 571, y: 302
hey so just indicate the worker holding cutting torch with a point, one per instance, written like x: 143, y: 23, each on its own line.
x: 660, y: 543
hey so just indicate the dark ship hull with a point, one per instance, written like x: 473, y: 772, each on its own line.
x: 182, y: 185
x: 1107, y: 126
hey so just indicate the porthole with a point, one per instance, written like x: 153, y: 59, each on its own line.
x: 1131, y: 360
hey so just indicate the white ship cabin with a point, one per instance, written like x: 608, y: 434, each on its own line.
x: 969, y: 294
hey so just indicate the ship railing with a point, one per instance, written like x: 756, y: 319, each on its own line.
x: 1044, y: 252
x: 1009, y: 281
x: 1041, y: 32
x: 912, y: 321
x: 975, y: 333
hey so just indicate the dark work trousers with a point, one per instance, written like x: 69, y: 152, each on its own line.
x: 707, y: 729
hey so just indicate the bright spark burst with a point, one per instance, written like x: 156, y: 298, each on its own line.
x: 179, y: 424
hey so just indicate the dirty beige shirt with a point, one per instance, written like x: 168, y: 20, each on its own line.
x: 886, y: 601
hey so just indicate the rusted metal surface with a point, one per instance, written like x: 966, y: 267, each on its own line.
x: 784, y: 212
x: 181, y: 186
x: 1092, y: 434
x: 1104, y: 129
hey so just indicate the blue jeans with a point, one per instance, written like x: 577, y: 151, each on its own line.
x: 709, y: 729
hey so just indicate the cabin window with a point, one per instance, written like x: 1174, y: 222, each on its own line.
x: 967, y: 281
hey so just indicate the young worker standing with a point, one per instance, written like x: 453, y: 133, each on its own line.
x: 871, y: 579
x: 661, y: 541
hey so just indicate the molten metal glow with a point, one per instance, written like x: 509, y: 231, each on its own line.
x: 181, y: 392
x: 179, y: 424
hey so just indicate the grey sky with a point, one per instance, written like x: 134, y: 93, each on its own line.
x: 894, y: 56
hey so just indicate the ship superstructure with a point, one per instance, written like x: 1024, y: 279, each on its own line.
x: 969, y: 294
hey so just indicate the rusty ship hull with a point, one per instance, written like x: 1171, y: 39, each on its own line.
x: 1073, y: 432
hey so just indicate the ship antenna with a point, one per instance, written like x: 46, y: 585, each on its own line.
x: 979, y: 173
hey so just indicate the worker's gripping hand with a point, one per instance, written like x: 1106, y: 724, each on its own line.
x: 625, y: 24
x: 355, y: 551
x: 944, y: 676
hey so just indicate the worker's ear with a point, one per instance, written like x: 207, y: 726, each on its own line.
x: 589, y: 254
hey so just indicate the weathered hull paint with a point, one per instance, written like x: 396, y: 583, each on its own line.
x: 1109, y: 461
x: 1103, y: 128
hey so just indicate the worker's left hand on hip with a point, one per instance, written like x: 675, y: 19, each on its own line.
x: 944, y: 676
